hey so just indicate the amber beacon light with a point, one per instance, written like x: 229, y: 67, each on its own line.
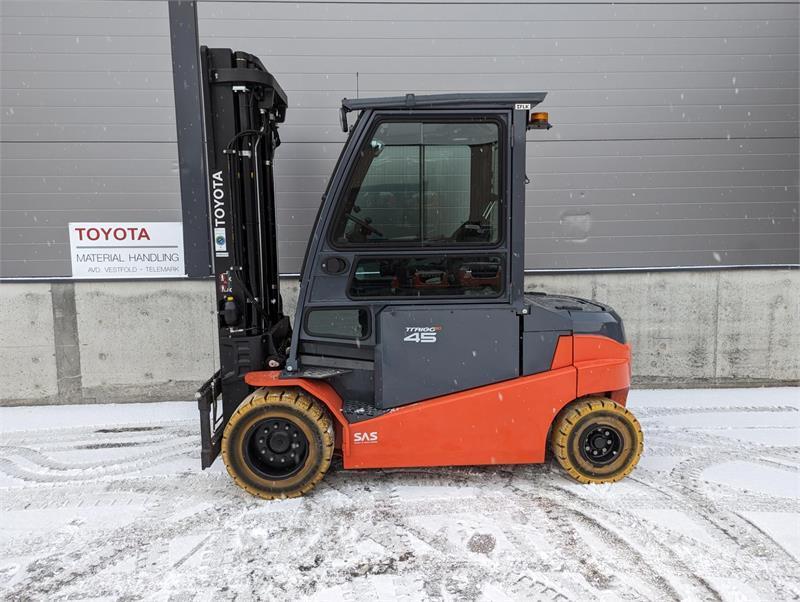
x: 539, y: 121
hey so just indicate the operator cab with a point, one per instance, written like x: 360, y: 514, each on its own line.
x: 412, y: 284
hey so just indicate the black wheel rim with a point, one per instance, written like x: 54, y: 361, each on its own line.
x: 275, y: 448
x: 601, y: 444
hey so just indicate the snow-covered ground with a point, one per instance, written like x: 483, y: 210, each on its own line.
x: 108, y: 502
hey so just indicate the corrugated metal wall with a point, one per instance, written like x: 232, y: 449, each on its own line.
x: 676, y: 138
x: 88, y: 125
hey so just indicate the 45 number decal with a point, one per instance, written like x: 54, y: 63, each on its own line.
x: 422, y: 334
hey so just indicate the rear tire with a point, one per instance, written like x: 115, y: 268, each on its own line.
x: 597, y: 440
x: 278, y: 443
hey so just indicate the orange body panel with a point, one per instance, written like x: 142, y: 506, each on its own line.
x: 603, y: 364
x: 563, y: 354
x: 502, y: 423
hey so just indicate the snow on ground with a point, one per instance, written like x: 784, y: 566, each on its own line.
x: 108, y: 502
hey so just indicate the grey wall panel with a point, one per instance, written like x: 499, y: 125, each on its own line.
x: 88, y: 125
x: 676, y: 125
x: 675, y: 139
x: 46, y: 185
x: 583, y: 194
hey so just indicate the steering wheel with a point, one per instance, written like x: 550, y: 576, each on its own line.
x: 365, y: 224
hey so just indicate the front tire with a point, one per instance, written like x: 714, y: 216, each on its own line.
x: 597, y: 440
x: 278, y: 443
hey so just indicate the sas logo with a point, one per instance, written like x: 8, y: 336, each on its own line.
x: 365, y: 437
x: 422, y: 334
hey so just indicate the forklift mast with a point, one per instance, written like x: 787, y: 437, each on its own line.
x: 242, y: 107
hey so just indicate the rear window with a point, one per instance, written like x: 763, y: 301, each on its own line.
x: 429, y: 276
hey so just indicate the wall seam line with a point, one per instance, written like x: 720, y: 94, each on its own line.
x: 716, y: 329
x: 69, y: 377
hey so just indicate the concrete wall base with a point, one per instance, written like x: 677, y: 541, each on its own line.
x: 113, y: 342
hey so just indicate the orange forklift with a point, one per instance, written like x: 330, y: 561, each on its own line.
x: 414, y: 342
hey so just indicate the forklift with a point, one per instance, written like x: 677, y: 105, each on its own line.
x: 414, y: 343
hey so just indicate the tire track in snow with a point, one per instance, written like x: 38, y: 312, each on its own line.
x: 746, y: 548
x: 665, y: 556
x: 41, y: 460
x: 14, y: 469
x: 562, y: 515
x: 650, y: 412
x: 363, y: 533
x: 147, y: 533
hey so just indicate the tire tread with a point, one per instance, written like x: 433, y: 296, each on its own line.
x: 300, y: 401
x: 562, y: 429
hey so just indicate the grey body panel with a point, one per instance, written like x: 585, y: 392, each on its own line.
x: 550, y: 316
x: 538, y: 349
x: 541, y: 317
x: 313, y: 373
x: 579, y: 316
x: 472, y: 347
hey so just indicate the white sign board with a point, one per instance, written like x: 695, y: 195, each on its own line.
x: 126, y: 249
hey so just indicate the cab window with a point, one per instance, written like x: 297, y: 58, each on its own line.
x: 428, y: 276
x: 338, y: 323
x: 423, y: 184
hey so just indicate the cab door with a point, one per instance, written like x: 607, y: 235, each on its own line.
x: 410, y: 284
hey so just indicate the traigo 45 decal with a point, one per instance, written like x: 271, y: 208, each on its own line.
x: 422, y: 334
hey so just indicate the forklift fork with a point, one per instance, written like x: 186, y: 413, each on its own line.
x: 212, y: 423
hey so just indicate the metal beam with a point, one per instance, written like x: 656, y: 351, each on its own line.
x: 191, y: 147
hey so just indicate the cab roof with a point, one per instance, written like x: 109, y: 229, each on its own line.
x: 482, y: 100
